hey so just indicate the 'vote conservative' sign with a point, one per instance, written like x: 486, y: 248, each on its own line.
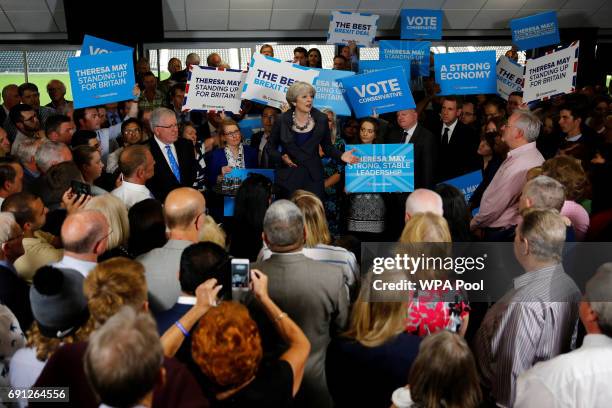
x: 466, y: 73
x: 419, y: 24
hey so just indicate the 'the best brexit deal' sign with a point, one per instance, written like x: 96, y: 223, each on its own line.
x: 509, y: 77
x: 330, y: 93
x: 269, y: 79
x: 102, y: 74
x: 345, y: 26
x: 421, y: 23
x: 213, y: 89
x: 535, y: 31
x: 378, y: 92
x: 466, y: 73
x: 384, y: 168
x: 417, y: 52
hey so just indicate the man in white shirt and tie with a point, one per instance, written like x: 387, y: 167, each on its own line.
x: 137, y: 166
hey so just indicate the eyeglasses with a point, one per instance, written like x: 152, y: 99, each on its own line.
x: 233, y: 134
x: 174, y: 125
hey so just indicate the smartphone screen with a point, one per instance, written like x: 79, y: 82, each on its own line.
x: 240, y: 273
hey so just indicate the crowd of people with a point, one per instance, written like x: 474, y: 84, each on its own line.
x: 115, y: 252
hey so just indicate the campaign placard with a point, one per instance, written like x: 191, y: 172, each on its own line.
x: 213, y: 89
x: 345, y: 26
x: 551, y: 75
x: 368, y: 66
x: 330, y: 93
x: 467, y: 184
x: 378, y: 92
x: 248, y: 125
x: 509, y: 77
x: 94, y: 45
x: 269, y: 79
x: 539, y: 30
x: 466, y: 73
x: 100, y: 78
x: 417, y: 24
x: 416, y: 52
x: 242, y: 174
x: 384, y: 168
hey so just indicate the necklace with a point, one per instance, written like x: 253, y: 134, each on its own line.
x: 298, y: 127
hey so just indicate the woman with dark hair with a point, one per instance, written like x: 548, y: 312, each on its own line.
x: 147, y: 227
x: 455, y: 212
x: 298, y: 134
x: 252, y: 201
x: 314, y: 58
x: 188, y: 131
x: 492, y: 151
x: 89, y: 160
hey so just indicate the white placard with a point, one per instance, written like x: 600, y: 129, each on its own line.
x: 345, y: 26
x: 509, y: 77
x: 269, y: 78
x: 551, y: 75
x: 214, y: 89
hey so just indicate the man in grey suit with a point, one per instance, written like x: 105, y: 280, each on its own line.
x: 185, y: 210
x: 311, y: 292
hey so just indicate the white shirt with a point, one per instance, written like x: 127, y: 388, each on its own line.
x: 25, y: 369
x: 105, y: 135
x: 582, y: 378
x: 162, y: 147
x: 410, y: 132
x: 451, y: 129
x: 131, y: 193
x: 574, y: 138
x: 82, y: 267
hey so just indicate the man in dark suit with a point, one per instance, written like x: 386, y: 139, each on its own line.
x: 408, y: 130
x: 175, y: 164
x: 260, y: 139
x: 458, y: 142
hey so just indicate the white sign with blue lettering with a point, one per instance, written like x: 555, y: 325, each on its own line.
x: 345, y: 26
x: 213, y: 89
x: 509, y: 77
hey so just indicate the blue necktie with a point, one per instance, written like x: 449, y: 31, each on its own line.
x: 173, y: 164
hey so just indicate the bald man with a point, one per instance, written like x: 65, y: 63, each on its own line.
x: 85, y: 237
x: 423, y: 200
x: 57, y: 93
x: 185, y: 210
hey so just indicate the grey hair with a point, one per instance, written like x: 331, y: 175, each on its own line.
x: 545, y: 232
x: 191, y: 56
x: 283, y: 223
x: 332, y: 132
x: 25, y: 150
x: 157, y: 115
x: 47, y: 154
x: 545, y: 193
x: 423, y: 200
x: 8, y: 226
x: 529, y: 123
x: 598, y: 293
x: 124, y: 352
x: 299, y: 88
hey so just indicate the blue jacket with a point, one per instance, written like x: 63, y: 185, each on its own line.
x: 216, y: 159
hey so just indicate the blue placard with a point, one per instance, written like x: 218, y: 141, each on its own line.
x: 466, y: 73
x: 94, y: 46
x: 330, y: 93
x: 368, y: 66
x: 102, y: 78
x: 466, y: 183
x: 248, y: 126
x: 421, y: 23
x: 535, y: 31
x: 228, y: 202
x: 384, y: 168
x: 378, y: 92
x: 416, y: 52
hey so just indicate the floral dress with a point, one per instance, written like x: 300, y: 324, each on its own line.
x: 432, y: 311
x: 333, y: 193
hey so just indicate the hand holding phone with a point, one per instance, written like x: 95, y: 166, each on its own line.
x: 240, y: 273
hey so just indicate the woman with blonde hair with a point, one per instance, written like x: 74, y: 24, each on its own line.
x: 374, y: 354
x: 443, y: 375
x: 430, y: 311
x: 318, y: 240
x: 116, y: 214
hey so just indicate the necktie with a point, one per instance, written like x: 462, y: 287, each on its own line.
x: 406, y: 136
x: 173, y: 163
x: 445, y: 137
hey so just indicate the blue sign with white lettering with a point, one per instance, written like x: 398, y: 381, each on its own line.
x: 466, y: 73
x: 249, y: 125
x: 416, y: 52
x: 535, y: 31
x: 378, y: 92
x: 329, y: 92
x: 94, y: 45
x: 101, y: 78
x: 418, y: 24
x: 242, y: 174
x: 368, y: 66
x: 384, y: 168
x: 466, y: 183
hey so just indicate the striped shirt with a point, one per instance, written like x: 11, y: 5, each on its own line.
x: 533, y: 322
x: 329, y: 254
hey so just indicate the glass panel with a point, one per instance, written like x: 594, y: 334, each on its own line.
x: 44, y: 66
x: 11, y: 68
